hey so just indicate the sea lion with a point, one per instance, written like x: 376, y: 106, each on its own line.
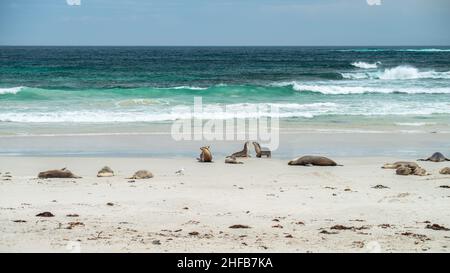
x: 142, y: 174
x: 398, y: 164
x: 445, y: 170
x: 206, y: 155
x: 313, y: 160
x: 436, y: 157
x: 420, y: 172
x: 105, y: 172
x: 63, y: 173
x: 243, y: 153
x: 261, y: 151
x: 232, y: 160
x: 403, y: 170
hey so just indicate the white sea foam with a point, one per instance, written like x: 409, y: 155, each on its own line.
x: 240, y: 110
x: 188, y: 88
x: 331, y: 89
x: 365, y: 65
x: 415, y: 124
x: 398, y: 73
x: 12, y: 90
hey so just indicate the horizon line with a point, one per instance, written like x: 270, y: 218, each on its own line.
x: 1, y: 45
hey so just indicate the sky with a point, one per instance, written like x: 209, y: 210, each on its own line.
x: 225, y: 22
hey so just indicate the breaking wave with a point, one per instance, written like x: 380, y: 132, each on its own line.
x: 365, y: 65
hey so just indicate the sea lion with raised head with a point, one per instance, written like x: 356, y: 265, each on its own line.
x: 232, y: 160
x: 261, y: 151
x: 142, y: 174
x: 398, y: 164
x: 436, y: 157
x: 243, y: 153
x: 310, y: 160
x: 105, y: 172
x: 206, y: 155
x: 63, y: 173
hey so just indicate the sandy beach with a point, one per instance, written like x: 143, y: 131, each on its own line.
x: 286, y: 208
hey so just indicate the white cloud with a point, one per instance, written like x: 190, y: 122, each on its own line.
x: 374, y: 2
x: 77, y: 2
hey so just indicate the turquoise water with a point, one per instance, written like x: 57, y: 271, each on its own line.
x: 406, y: 86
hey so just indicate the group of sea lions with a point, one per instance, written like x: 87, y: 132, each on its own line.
x: 412, y: 168
x: 309, y: 160
x: 206, y: 155
x: 104, y: 172
x: 401, y: 167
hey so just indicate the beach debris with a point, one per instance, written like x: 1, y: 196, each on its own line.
x: 261, y: 151
x: 63, y: 173
x: 110, y: 204
x: 384, y: 226
x: 380, y: 187
x: 206, y: 155
x: 342, y: 227
x: 445, y: 170
x: 444, y: 186
x: 300, y: 223
x: 358, y: 244
x: 243, y: 153
x: 436, y: 157
x: 420, y: 237
x: 232, y: 160
x: 72, y: 215
x: 180, y: 172
x: 328, y: 232
x: 193, y: 233
x: 45, y: 214
x: 19, y: 221
x: 156, y: 242
x: 310, y: 160
x: 105, y: 172
x: 289, y: 236
x: 75, y: 224
x: 238, y: 226
x: 277, y: 226
x: 142, y: 174
x: 436, y: 227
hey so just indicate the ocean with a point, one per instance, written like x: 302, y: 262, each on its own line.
x: 46, y: 89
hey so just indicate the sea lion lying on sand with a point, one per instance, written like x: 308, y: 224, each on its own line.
x: 142, y: 174
x: 313, y: 160
x: 63, y: 173
x: 398, y: 164
x: 436, y: 157
x: 406, y: 168
x: 403, y: 170
x: 232, y: 160
x: 445, y: 170
x: 243, y: 153
x: 261, y: 151
x: 105, y: 172
x: 206, y: 155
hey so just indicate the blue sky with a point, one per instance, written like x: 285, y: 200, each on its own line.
x: 224, y: 22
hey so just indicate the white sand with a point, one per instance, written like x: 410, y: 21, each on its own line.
x: 211, y: 197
